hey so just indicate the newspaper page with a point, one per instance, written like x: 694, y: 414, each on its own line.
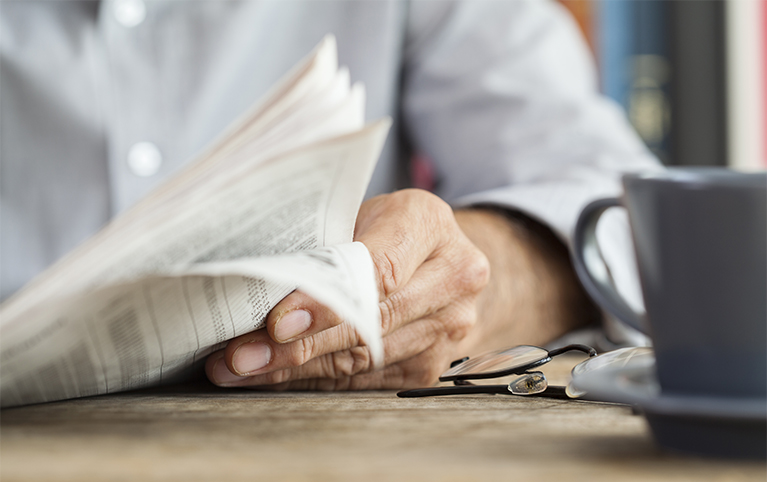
x: 160, y: 329
x: 210, y: 175
x: 299, y: 202
x: 203, y: 259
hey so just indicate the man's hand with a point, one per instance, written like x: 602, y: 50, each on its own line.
x: 431, y: 278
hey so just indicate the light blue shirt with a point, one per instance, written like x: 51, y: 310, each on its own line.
x: 500, y: 96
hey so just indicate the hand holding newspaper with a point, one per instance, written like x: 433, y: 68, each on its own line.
x: 269, y: 208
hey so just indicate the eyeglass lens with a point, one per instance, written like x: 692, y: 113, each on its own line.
x: 616, y: 359
x: 499, y: 361
x: 635, y: 356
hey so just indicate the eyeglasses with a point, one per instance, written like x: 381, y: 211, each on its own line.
x: 519, y: 360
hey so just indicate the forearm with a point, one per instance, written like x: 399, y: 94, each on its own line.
x: 533, y: 296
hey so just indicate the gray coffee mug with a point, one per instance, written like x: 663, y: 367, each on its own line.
x: 700, y: 239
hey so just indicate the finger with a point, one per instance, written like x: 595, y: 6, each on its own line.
x: 298, y: 316
x: 435, y: 284
x: 407, y: 374
x: 257, y: 353
x: 439, y: 282
x: 401, y: 231
x: 422, y: 370
x: 295, y: 317
x: 425, y: 294
x: 415, y: 338
x: 219, y: 371
x: 392, y: 377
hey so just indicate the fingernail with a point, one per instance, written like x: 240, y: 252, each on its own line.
x: 292, y: 324
x: 222, y: 375
x: 250, y: 357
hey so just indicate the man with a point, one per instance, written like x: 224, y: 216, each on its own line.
x: 499, y: 96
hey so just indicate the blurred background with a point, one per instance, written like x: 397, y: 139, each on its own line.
x: 691, y: 74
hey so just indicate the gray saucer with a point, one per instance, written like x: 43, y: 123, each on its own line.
x: 718, y: 426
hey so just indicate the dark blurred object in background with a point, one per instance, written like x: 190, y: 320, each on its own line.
x: 690, y: 74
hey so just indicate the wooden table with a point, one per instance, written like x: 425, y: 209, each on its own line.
x: 200, y: 432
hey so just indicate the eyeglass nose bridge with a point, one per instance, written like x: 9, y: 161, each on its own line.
x: 527, y: 383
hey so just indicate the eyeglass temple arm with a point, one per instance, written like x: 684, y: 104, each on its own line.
x: 456, y: 390
x: 550, y: 392
x: 575, y: 347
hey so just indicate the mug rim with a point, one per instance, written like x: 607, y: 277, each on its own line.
x: 701, y: 176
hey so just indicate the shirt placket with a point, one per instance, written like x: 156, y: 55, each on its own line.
x: 138, y: 152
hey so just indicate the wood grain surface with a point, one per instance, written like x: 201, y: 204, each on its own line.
x: 199, y: 432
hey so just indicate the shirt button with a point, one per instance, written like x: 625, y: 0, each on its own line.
x: 144, y: 159
x: 129, y: 12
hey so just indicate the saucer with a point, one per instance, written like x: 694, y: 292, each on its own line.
x: 707, y: 425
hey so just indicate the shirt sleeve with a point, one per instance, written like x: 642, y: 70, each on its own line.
x: 502, y: 97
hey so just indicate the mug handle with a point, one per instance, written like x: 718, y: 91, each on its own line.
x: 591, y: 268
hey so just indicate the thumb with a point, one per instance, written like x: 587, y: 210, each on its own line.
x: 298, y: 316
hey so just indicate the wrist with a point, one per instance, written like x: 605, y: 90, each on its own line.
x: 533, y: 295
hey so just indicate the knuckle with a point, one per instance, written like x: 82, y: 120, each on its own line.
x: 474, y: 272
x: 388, y: 315
x: 460, y: 320
x: 362, y: 359
x: 301, y: 351
x: 429, y: 204
x: 327, y: 366
x: 413, y: 196
x: 464, y: 325
x: 341, y: 364
x: 442, y: 210
x: 350, y: 362
x: 387, y: 265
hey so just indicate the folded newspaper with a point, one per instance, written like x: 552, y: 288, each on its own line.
x: 269, y: 208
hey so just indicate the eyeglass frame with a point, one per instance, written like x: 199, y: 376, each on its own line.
x: 463, y: 386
